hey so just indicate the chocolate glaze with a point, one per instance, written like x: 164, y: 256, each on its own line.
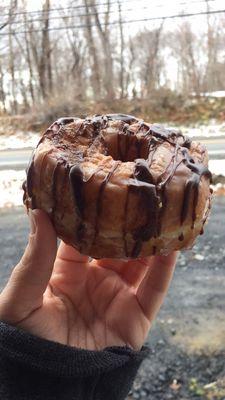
x: 127, y: 142
x: 187, y: 142
x: 122, y: 117
x: 192, y: 185
x: 30, y: 172
x: 66, y: 120
x: 30, y: 178
x: 181, y: 237
x: 24, y: 187
x: 97, y: 122
x: 159, y: 132
x: 142, y: 171
x: 148, y: 202
x: 161, y: 193
x: 136, y: 249
x: 77, y: 182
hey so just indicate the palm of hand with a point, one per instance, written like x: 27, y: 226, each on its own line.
x: 91, y: 306
x: 61, y: 296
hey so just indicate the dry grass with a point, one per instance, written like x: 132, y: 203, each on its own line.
x: 163, y: 106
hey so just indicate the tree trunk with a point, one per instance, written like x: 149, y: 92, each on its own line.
x: 95, y: 73
x: 107, y: 51
x: 2, y: 91
x: 12, y: 70
x: 121, y: 52
x: 28, y: 58
x: 44, y: 67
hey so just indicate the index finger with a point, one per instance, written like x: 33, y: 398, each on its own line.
x: 154, y: 286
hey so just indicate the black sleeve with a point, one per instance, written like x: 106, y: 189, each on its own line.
x: 38, y: 369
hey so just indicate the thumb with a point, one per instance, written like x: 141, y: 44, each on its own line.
x: 29, y: 279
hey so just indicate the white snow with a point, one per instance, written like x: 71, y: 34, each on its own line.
x: 11, y: 188
x: 19, y: 140
x: 213, y: 129
x: 217, y: 93
x: 217, y: 167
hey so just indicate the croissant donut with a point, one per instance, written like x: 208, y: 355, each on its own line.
x: 115, y: 186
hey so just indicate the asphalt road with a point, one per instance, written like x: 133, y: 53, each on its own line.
x: 14, y: 159
x: 18, y: 158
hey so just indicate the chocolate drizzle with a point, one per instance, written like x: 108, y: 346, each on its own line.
x: 30, y: 173
x: 161, y: 193
x: 66, y: 120
x: 77, y: 185
x: 154, y: 248
x: 142, y: 171
x: 192, y: 186
x: 29, y: 183
x: 158, y: 190
x: 148, y: 202
x: 122, y: 117
x: 24, y: 187
x: 77, y: 182
x: 181, y: 237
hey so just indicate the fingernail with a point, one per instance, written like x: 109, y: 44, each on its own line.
x: 32, y: 222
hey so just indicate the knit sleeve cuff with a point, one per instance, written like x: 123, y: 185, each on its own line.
x: 62, y: 360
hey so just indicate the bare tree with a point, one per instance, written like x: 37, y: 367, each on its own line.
x: 44, y: 67
x: 95, y: 70
x: 104, y: 34
x: 11, y: 59
x: 185, y: 47
x: 147, y: 59
x: 122, y: 47
x: 29, y: 61
x: 2, y: 90
x: 76, y: 58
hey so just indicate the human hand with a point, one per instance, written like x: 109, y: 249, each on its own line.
x: 64, y: 297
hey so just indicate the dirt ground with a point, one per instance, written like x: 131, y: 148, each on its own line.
x: 187, y: 359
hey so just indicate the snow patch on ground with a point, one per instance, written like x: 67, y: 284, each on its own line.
x: 213, y: 129
x: 19, y: 140
x: 11, y: 188
x: 217, y: 167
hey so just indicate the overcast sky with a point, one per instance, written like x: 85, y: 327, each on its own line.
x: 139, y: 9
